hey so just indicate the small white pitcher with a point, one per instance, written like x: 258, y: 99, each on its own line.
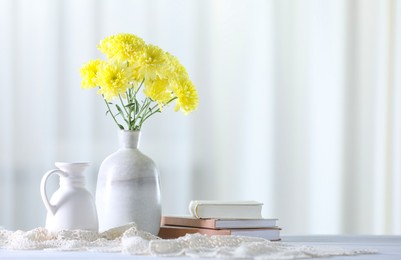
x: 71, y: 206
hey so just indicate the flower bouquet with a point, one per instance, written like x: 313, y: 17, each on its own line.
x: 132, y: 66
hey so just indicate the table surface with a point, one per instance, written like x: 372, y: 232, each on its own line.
x: 388, y: 247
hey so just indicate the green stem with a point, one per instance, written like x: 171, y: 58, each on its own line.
x: 130, y: 101
x: 128, y: 114
x: 171, y: 100
x: 138, y: 115
x: 154, y: 107
x: 140, y: 86
x: 144, y: 111
x: 112, y: 115
x: 156, y: 111
x: 133, y: 99
x: 145, y: 104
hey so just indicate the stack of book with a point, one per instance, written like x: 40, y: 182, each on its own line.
x: 242, y: 218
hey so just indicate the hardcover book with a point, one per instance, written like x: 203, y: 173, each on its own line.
x: 188, y: 221
x: 226, y: 209
x: 170, y: 232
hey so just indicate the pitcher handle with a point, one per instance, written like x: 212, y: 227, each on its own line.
x: 51, y: 208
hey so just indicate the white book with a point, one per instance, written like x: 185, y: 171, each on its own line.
x: 226, y: 209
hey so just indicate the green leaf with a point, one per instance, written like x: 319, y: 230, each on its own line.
x: 136, y: 106
x: 120, y: 126
x: 119, y: 108
x: 130, y: 105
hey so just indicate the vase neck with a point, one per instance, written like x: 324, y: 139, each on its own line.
x: 129, y: 139
x: 72, y: 181
x: 72, y: 174
x: 72, y: 169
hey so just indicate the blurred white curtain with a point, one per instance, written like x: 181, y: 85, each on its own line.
x: 300, y: 106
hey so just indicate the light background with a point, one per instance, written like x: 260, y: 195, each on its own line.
x: 300, y: 106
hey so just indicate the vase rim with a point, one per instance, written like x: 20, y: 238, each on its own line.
x: 74, y: 167
x: 130, y: 131
x: 72, y: 163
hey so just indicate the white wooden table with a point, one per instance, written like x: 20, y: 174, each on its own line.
x: 388, y: 247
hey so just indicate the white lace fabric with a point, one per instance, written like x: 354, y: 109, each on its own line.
x: 128, y: 239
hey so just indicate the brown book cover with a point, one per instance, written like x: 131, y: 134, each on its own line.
x: 169, y: 232
x: 188, y: 221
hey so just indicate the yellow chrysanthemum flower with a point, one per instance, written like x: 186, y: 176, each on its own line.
x: 88, y: 74
x: 151, y: 62
x: 121, y: 46
x: 158, y: 91
x: 187, y: 97
x: 113, y: 79
x: 136, y: 75
x: 176, y: 68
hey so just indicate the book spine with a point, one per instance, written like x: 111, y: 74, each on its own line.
x: 171, y: 232
x: 198, y: 223
x: 193, y: 208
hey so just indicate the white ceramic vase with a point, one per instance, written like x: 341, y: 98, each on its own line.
x: 128, y: 187
x: 71, y: 206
